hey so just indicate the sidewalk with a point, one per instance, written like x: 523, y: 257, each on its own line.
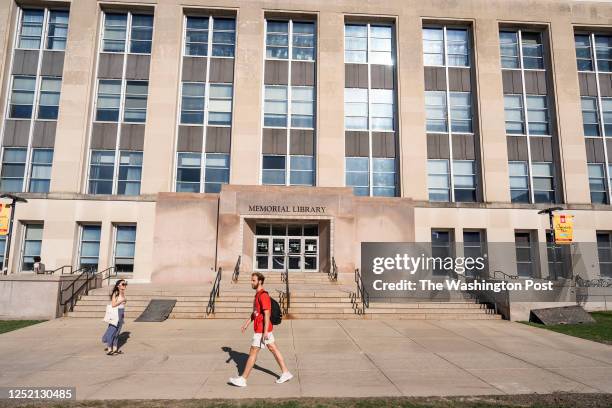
x: 185, y: 359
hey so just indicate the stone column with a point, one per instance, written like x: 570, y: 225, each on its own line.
x: 162, y: 105
x: 330, y: 100
x: 76, y: 100
x: 248, y: 79
x: 411, y: 108
x: 490, y: 96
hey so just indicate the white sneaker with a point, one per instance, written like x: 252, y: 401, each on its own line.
x: 238, y: 381
x: 284, y: 377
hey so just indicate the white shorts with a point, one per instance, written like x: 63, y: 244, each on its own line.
x: 257, y: 340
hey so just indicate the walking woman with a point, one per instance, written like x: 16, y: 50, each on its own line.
x: 111, y: 336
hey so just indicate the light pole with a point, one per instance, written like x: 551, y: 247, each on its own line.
x: 14, y: 200
x: 550, y: 212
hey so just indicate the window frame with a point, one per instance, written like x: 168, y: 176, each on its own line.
x: 370, y: 60
x: 116, y: 227
x: 79, y: 254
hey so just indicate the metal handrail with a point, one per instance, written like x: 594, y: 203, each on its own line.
x: 287, y: 295
x: 504, y: 275
x: 236, y: 270
x: 85, y: 271
x: 602, y: 282
x: 361, y: 294
x: 111, y: 272
x: 61, y: 268
x: 333, y: 271
x: 214, y: 293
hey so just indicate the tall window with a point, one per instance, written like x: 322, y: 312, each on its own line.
x: 125, y: 248
x: 449, y: 112
x: 89, y: 247
x: 289, y: 103
x: 206, y: 104
x: 474, y: 246
x: 594, y: 62
x: 442, y: 246
x: 598, y: 183
x: 525, y: 254
x: 527, y: 116
x: 33, y: 99
x: 117, y: 141
x: 604, y: 253
x: 32, y: 243
x: 370, y: 109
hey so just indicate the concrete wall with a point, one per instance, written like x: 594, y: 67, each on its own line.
x: 185, y: 238
x: 29, y: 297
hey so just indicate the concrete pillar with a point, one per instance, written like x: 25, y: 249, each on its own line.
x: 571, y: 134
x: 248, y: 79
x: 8, y: 11
x: 74, y: 119
x: 330, y: 100
x: 411, y: 96
x: 494, y: 153
x: 162, y: 104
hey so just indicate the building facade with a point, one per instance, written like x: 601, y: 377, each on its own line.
x: 168, y: 138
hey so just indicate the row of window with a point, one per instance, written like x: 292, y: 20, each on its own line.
x: 88, y: 251
x: 366, y: 109
x: 526, y: 252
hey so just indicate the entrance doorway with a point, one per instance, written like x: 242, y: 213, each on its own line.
x: 280, y: 246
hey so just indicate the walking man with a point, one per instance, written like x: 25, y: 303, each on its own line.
x: 263, y: 337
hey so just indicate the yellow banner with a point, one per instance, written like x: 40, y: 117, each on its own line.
x: 5, y: 218
x: 564, y: 228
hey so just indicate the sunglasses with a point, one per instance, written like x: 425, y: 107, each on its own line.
x: 123, y: 284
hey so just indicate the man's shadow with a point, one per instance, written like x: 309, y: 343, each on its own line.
x: 240, y: 360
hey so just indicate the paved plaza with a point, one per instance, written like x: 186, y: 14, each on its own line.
x: 347, y: 358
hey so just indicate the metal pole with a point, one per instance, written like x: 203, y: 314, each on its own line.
x: 554, y: 244
x: 10, y: 235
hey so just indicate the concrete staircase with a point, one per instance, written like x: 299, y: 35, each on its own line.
x: 313, y: 296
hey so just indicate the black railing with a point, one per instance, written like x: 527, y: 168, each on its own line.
x: 69, y: 294
x: 593, y: 283
x: 504, y: 276
x: 61, y: 268
x: 236, y: 273
x: 333, y: 271
x: 286, y: 296
x: 110, y: 272
x: 214, y: 293
x: 360, y: 298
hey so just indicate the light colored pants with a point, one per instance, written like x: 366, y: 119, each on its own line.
x: 111, y: 336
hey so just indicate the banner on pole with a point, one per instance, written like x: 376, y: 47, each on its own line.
x: 564, y: 228
x: 5, y: 218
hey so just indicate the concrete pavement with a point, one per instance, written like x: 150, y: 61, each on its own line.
x: 329, y: 358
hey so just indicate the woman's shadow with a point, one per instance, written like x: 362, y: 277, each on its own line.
x: 240, y: 360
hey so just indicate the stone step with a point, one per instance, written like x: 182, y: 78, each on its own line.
x: 299, y: 315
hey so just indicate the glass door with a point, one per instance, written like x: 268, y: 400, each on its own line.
x: 295, y: 254
x: 262, y: 253
x: 278, y: 253
x: 291, y: 246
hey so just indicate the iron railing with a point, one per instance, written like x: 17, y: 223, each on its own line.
x: 285, y: 297
x: 86, y: 276
x: 360, y: 298
x: 214, y: 293
x: 333, y: 271
x: 236, y: 273
x: 593, y: 283
x: 111, y: 271
x: 504, y: 276
x: 61, y: 268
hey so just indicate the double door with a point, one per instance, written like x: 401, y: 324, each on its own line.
x: 297, y: 254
